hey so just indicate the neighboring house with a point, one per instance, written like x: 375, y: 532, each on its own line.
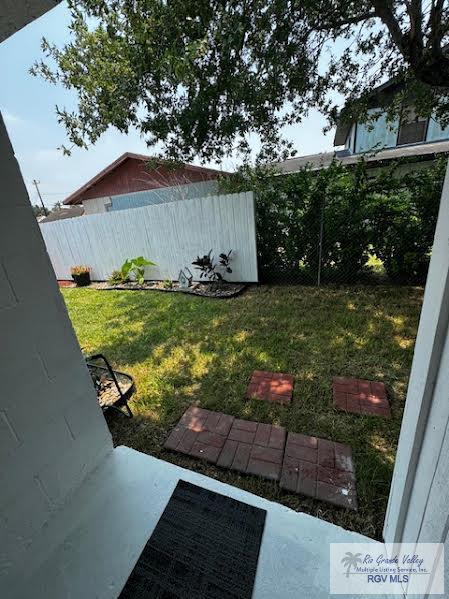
x: 130, y: 182
x: 414, y: 140
x: 62, y: 214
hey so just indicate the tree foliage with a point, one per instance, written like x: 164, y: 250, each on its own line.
x: 200, y: 76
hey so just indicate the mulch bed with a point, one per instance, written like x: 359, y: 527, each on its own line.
x: 223, y: 290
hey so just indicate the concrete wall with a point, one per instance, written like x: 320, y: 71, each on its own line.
x: 52, y: 432
x: 16, y: 14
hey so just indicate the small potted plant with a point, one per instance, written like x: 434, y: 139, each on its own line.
x: 81, y: 275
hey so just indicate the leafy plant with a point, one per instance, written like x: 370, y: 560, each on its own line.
x: 134, y: 269
x: 224, y: 260
x: 167, y: 284
x: 210, y: 269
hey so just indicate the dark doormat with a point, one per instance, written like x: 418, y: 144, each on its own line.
x: 205, y: 546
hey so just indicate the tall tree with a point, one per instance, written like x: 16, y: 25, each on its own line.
x: 199, y: 76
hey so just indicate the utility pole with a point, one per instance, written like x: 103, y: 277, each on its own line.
x: 35, y: 183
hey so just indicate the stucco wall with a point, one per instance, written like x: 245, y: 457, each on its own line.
x: 52, y: 432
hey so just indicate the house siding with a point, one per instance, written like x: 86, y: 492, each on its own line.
x: 435, y: 132
x: 383, y: 134
x: 132, y: 175
x: 377, y: 135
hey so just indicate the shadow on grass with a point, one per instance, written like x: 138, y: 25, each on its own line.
x: 183, y: 350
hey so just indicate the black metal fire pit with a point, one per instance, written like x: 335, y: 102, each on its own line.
x: 114, y: 388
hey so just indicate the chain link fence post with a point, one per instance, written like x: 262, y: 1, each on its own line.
x: 320, y: 244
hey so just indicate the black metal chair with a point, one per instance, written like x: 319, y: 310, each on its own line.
x: 114, y: 388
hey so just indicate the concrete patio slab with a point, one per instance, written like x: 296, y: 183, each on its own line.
x: 90, y: 548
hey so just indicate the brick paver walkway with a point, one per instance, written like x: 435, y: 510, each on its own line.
x: 254, y: 448
x: 270, y: 386
x: 307, y: 465
x: 200, y: 433
x: 361, y: 397
x: 320, y: 469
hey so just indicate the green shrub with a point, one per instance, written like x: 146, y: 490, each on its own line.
x: 403, y: 220
x: 115, y: 278
x: 331, y: 220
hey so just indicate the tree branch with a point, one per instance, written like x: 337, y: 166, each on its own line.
x: 436, y: 29
x: 349, y: 21
x: 414, y: 10
x: 383, y: 11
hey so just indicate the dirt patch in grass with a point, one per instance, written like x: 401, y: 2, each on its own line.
x: 183, y: 350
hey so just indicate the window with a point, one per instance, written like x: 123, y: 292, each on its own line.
x: 412, y: 129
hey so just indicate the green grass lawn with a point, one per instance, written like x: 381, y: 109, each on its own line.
x: 184, y: 349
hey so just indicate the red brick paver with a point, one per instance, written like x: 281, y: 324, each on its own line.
x: 361, y: 397
x: 200, y: 433
x: 320, y: 469
x: 242, y: 445
x: 270, y: 386
x: 254, y: 448
x: 315, y: 467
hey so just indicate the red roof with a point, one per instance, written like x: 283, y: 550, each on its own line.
x: 77, y: 196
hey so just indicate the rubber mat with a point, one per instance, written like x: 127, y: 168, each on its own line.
x: 205, y: 546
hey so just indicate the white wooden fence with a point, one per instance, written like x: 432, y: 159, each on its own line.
x: 171, y: 235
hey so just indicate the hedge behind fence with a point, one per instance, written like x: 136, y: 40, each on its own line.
x: 336, y: 224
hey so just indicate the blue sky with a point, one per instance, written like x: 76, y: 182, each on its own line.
x: 28, y: 108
